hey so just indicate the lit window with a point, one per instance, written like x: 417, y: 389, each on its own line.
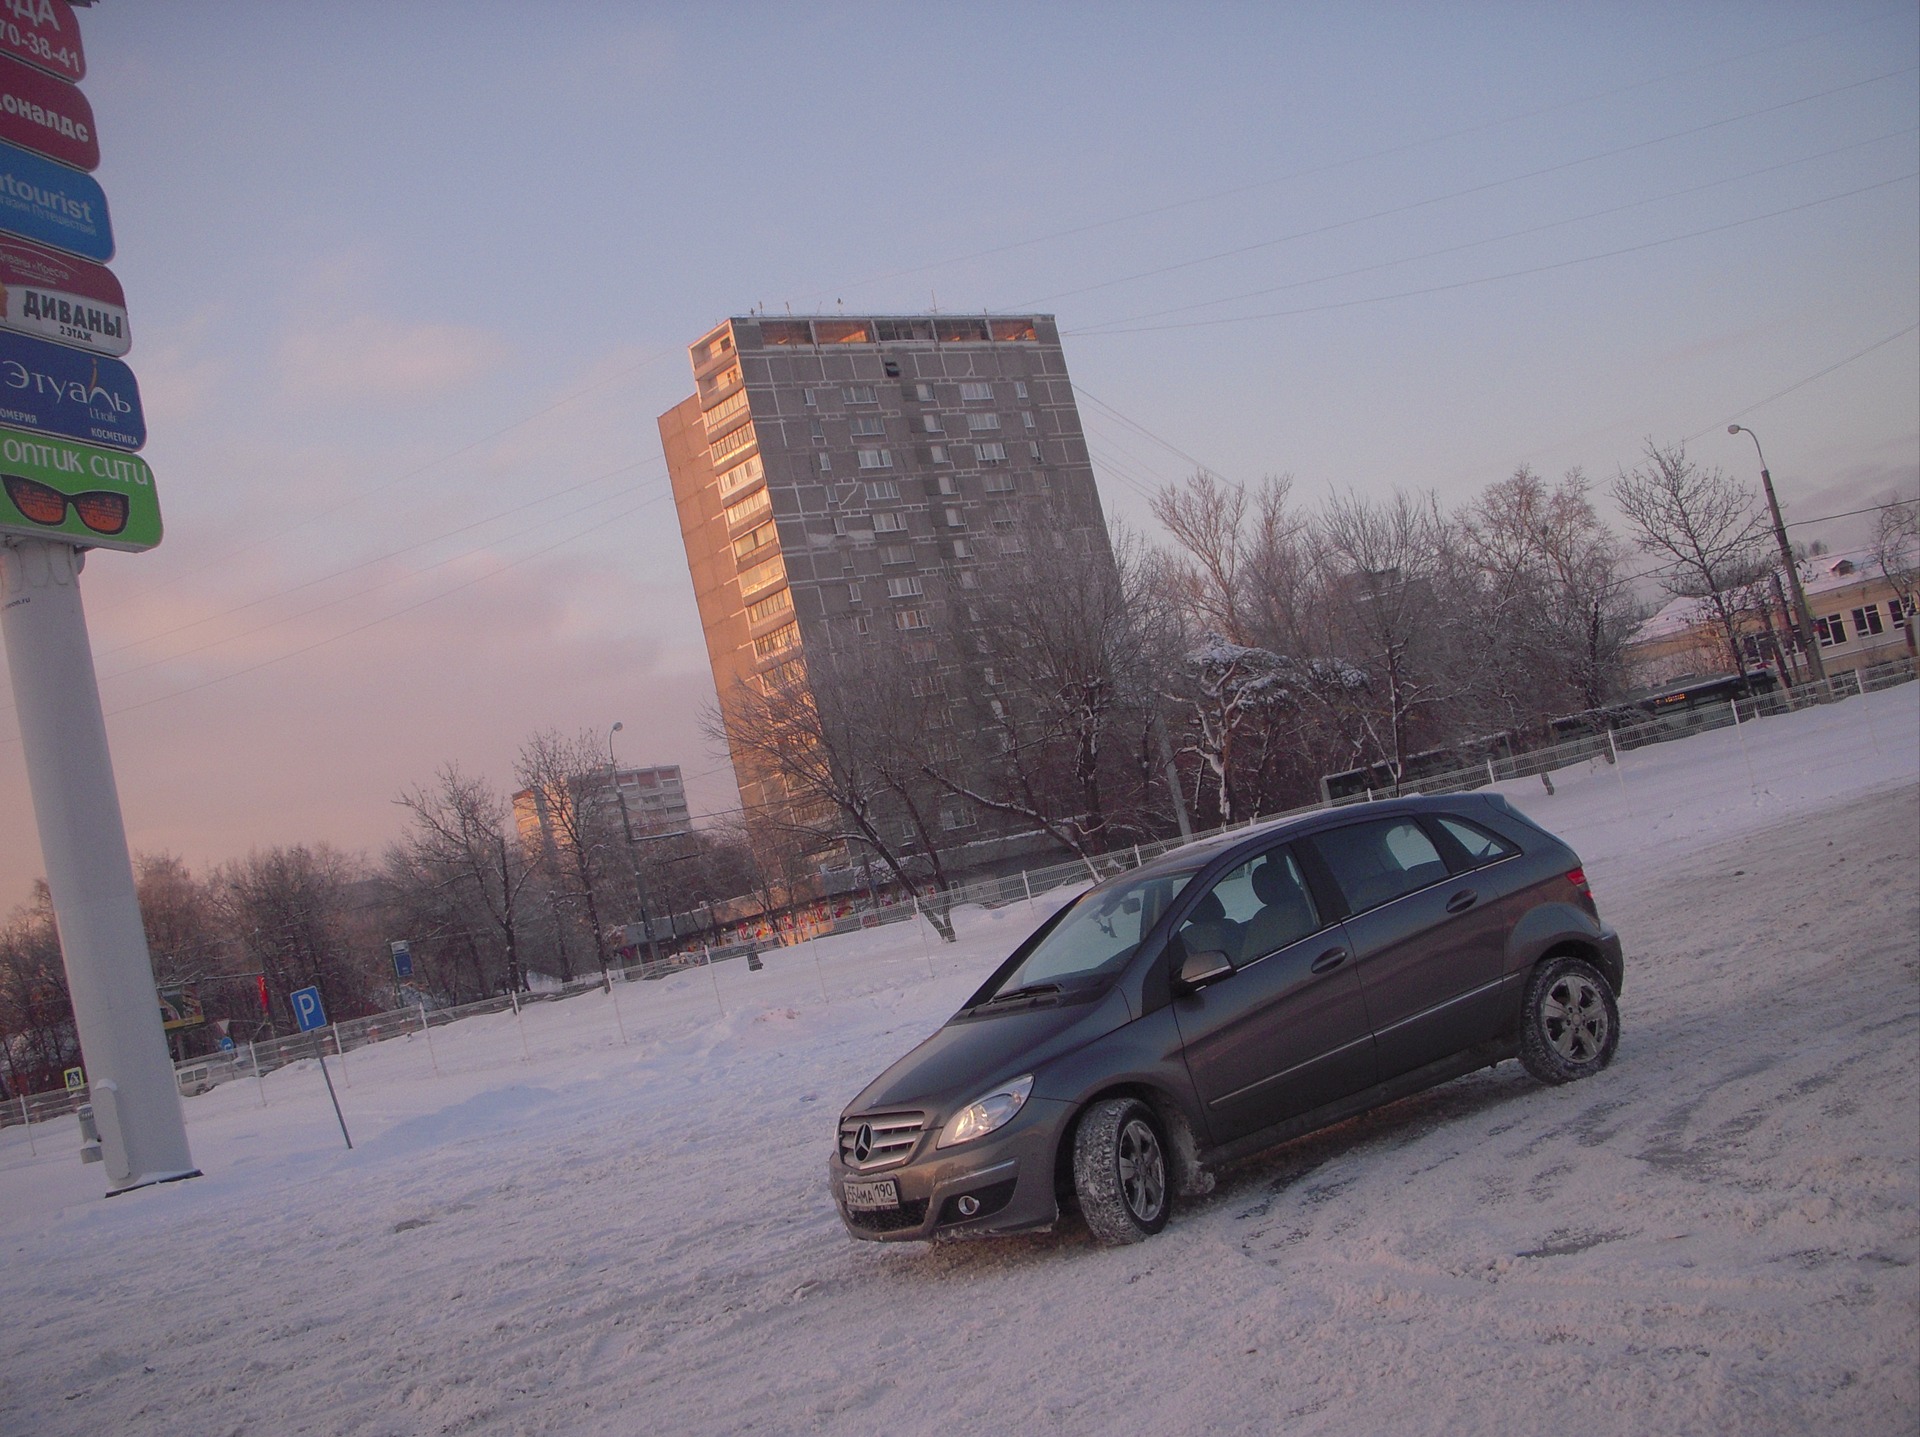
x: 991, y: 453
x: 876, y: 458
x: 977, y: 422
x: 976, y: 394
x: 907, y: 588
x: 883, y: 489
x: 858, y: 394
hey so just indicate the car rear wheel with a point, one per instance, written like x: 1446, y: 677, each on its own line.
x: 1120, y: 1171
x: 1571, y: 1025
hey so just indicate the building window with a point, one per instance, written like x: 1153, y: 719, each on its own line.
x: 999, y: 483
x: 826, y: 463
x: 886, y: 523
x: 991, y: 453
x: 883, y: 489
x: 777, y: 603
x: 976, y: 394
x: 869, y: 424
x: 741, y: 475
x: 853, y: 593
x: 1897, y: 611
x: 858, y: 394
x: 1003, y: 519
x: 1019, y: 389
x: 724, y: 410
x: 746, y: 544
x: 1832, y: 630
x: 907, y: 588
x: 1867, y: 621
x: 777, y: 642
x: 1013, y: 544
x: 910, y: 618
x: 978, y: 422
x: 815, y: 432
x: 954, y: 519
x: 923, y: 393
x: 731, y: 443
x: 1026, y: 418
x: 896, y: 554
x: 947, y: 486
x: 922, y: 651
x: 761, y: 575
x: 860, y: 624
x: 937, y: 453
x: 969, y: 579
x: 961, y: 548
x: 928, y: 685
x: 892, y: 367
x: 955, y: 815
x: 755, y: 503
x: 1033, y: 450
x: 876, y: 458
x: 931, y: 423
x: 808, y: 396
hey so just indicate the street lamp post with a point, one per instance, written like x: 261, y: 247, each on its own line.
x: 1802, y: 616
x: 633, y: 864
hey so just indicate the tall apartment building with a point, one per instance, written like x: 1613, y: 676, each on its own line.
x: 655, y: 799
x: 841, y: 476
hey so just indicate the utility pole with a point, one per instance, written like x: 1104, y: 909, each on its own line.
x: 1802, y: 615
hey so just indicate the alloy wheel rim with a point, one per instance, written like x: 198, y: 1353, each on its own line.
x: 1143, y: 1171
x: 1575, y: 1017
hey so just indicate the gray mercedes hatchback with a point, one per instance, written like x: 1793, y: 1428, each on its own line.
x: 1229, y: 996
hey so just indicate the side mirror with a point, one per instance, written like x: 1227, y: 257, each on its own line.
x: 1208, y: 966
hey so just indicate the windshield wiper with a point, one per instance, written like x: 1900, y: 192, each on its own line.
x: 1031, y: 990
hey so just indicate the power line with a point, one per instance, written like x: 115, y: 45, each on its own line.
x: 1107, y: 326
x: 1504, y: 275
x: 1389, y: 152
x: 1802, y: 383
x: 1469, y: 190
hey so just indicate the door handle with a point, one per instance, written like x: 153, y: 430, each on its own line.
x: 1328, y: 960
x: 1462, y: 901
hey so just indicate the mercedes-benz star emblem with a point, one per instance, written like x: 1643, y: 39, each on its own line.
x: 863, y: 1143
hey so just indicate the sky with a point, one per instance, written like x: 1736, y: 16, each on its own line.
x: 409, y: 286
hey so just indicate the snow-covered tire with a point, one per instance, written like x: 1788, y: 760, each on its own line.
x: 1569, y: 1024
x: 1120, y: 1171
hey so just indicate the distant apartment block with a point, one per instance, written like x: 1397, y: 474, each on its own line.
x: 656, y: 803
x: 846, y: 476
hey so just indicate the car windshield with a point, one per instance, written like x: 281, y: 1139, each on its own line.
x: 1097, y: 936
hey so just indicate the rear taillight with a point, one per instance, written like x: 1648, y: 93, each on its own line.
x: 1578, y: 878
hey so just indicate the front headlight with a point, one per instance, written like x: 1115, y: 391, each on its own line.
x: 984, y: 1114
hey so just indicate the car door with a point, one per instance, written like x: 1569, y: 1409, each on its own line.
x: 1428, y: 963
x: 1287, y: 1030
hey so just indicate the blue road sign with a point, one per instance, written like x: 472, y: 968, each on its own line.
x: 50, y: 389
x: 402, y: 959
x: 40, y: 200
x: 308, y: 1013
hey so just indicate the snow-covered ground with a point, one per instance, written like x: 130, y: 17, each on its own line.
x: 1721, y: 1233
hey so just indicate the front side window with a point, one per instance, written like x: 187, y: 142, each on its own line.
x: 1375, y: 863
x: 1099, y: 933
x: 1253, y: 910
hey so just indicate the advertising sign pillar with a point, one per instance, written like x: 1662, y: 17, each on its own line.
x: 63, y: 736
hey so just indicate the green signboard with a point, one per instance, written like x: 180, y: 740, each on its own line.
x: 59, y: 489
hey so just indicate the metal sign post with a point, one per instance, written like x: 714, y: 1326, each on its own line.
x: 310, y: 1016
x: 63, y: 737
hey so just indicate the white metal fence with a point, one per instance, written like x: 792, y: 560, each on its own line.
x: 197, y: 1075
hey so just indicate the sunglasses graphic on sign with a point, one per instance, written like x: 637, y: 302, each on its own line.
x: 101, y: 510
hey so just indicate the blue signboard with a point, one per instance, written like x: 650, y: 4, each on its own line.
x: 51, y: 389
x: 44, y: 201
x: 402, y: 959
x: 308, y: 1013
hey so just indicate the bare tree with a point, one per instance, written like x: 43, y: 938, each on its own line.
x: 1706, y: 525
x: 568, y: 784
x: 38, y: 1039
x: 291, y: 913
x: 461, y: 840
x: 1896, y: 554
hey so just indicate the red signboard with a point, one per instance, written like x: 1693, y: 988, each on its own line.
x: 48, y: 116
x: 60, y: 297
x: 45, y: 34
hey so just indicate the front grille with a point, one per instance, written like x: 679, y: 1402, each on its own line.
x: 890, y: 1139
x: 911, y: 1213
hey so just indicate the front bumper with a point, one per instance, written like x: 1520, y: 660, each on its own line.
x: 1008, y: 1174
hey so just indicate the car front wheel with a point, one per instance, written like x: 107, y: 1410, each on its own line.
x: 1120, y: 1171
x: 1571, y: 1024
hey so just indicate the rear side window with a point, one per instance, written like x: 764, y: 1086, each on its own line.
x: 1375, y: 863
x: 1480, y: 846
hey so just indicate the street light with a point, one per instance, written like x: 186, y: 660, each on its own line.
x: 626, y: 825
x: 1802, y: 616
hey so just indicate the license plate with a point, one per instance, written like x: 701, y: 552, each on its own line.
x: 876, y: 1196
